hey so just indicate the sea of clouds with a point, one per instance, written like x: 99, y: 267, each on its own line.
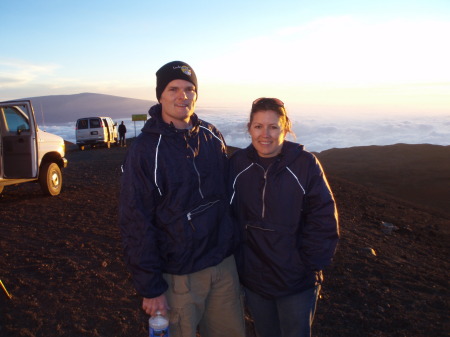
x: 316, y: 133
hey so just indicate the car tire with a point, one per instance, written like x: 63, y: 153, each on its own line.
x: 50, y: 178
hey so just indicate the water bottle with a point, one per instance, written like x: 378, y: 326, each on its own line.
x: 158, y: 326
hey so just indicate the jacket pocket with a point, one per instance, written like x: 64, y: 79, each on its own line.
x: 272, y: 249
x: 193, y: 215
x: 191, y: 234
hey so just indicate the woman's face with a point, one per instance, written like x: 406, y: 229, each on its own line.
x: 267, y: 132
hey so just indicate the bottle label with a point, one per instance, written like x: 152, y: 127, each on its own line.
x: 159, y: 332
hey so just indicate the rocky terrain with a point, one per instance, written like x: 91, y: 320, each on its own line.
x: 61, y: 259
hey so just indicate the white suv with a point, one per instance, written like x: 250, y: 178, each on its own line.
x: 96, y: 131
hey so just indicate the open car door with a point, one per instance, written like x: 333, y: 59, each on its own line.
x: 19, y: 157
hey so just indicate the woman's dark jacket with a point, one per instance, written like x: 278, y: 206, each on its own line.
x: 288, y: 220
x: 173, y: 212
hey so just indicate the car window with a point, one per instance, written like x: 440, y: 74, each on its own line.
x: 82, y: 124
x: 16, y: 120
x: 95, y: 123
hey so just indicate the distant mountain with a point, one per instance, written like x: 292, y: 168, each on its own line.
x: 419, y: 173
x: 58, y: 109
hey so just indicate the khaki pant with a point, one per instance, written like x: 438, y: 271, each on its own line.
x: 209, y: 299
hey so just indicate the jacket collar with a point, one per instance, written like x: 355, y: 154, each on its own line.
x: 289, y: 152
x: 157, y: 125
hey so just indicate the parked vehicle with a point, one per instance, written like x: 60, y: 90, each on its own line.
x: 95, y: 131
x: 26, y: 152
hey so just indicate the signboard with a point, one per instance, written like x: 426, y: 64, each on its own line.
x: 139, y: 117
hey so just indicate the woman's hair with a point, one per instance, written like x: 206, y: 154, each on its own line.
x: 273, y: 104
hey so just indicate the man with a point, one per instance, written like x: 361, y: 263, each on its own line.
x: 122, y: 132
x: 177, y: 233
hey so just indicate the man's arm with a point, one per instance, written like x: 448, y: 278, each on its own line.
x: 136, y: 220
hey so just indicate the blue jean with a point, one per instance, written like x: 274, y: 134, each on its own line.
x: 289, y: 316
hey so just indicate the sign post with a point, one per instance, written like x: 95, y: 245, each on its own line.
x: 135, y: 118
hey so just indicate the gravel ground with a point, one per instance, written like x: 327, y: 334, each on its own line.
x: 61, y: 260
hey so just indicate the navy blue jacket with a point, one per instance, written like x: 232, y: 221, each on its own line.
x: 288, y: 220
x: 174, y: 213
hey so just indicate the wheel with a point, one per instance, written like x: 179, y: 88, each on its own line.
x: 50, y: 178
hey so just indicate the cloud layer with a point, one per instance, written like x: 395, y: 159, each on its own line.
x: 317, y: 134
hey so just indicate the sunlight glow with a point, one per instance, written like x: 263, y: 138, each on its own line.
x: 341, y: 51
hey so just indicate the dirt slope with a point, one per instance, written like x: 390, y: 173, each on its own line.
x: 416, y: 173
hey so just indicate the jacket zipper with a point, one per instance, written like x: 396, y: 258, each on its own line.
x: 263, y: 213
x: 196, y: 170
x: 199, y: 209
x: 257, y: 227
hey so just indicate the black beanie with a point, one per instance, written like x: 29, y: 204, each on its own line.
x: 175, y: 70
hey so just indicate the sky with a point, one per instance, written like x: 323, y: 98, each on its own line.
x: 326, y: 58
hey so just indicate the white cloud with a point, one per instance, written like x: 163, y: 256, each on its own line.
x: 319, y: 134
x: 26, y: 79
x: 315, y: 133
x: 17, y: 73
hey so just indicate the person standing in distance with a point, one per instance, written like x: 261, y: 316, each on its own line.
x: 176, y: 229
x: 122, y: 132
x: 289, y: 224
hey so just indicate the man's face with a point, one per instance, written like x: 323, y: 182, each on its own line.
x: 178, y: 103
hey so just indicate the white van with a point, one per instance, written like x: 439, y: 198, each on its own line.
x: 26, y: 152
x: 96, y: 131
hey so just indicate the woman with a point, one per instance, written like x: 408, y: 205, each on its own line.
x: 288, y: 221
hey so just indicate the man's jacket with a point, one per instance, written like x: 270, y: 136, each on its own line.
x: 288, y: 220
x: 173, y: 212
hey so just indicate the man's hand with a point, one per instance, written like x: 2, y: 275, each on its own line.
x: 152, y: 305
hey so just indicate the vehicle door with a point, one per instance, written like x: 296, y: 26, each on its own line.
x: 19, y: 155
x: 108, y: 125
x: 82, y: 127
x: 96, y: 129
